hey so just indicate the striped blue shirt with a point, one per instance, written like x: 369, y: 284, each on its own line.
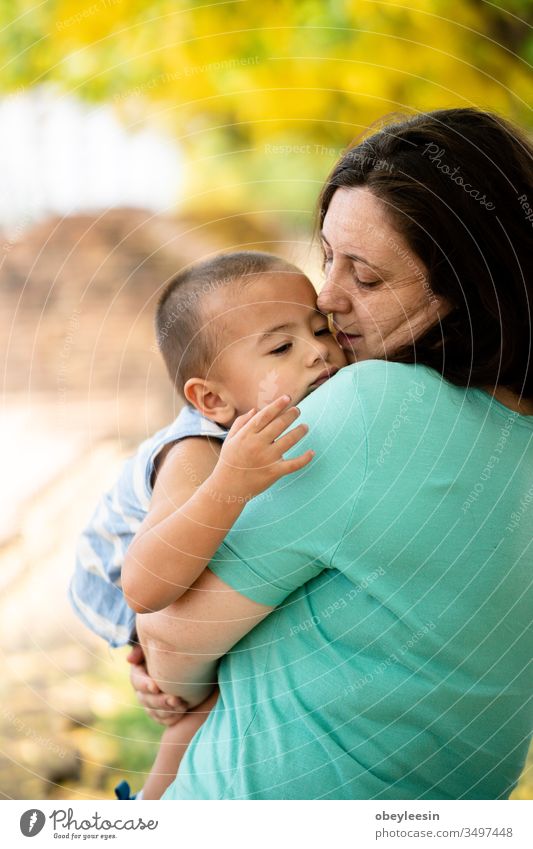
x: 95, y: 589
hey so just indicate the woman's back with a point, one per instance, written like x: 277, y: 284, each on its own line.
x: 399, y: 665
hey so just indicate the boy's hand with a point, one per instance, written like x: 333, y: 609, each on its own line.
x: 167, y: 710
x: 251, y: 458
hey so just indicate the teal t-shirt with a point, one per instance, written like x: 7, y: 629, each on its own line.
x: 398, y: 661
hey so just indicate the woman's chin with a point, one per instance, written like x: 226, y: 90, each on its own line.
x: 358, y: 356
x: 354, y: 349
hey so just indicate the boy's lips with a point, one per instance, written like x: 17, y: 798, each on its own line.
x: 323, y: 376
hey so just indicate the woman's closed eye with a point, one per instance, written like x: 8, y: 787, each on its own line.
x: 365, y: 284
x: 327, y: 259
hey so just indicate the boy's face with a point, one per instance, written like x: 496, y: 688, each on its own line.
x: 273, y: 341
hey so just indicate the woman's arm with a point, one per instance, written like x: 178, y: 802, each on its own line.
x: 197, y: 630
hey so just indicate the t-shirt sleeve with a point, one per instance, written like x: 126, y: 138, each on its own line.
x: 288, y: 534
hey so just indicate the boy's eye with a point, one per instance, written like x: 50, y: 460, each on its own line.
x: 282, y: 348
x: 323, y: 331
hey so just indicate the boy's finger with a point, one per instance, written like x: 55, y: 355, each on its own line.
x: 242, y: 420
x: 136, y: 655
x: 289, y: 440
x: 294, y: 465
x: 161, y: 705
x: 164, y: 719
x: 151, y: 702
x: 270, y: 412
x: 142, y: 682
x: 176, y: 702
x: 157, y: 705
x: 282, y: 421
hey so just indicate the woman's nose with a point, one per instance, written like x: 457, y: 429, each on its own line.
x: 333, y: 298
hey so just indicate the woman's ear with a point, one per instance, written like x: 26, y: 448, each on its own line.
x: 203, y: 394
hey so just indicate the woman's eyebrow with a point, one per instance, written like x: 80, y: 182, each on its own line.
x: 354, y: 256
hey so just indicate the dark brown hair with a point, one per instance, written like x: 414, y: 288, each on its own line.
x: 185, y: 338
x: 457, y: 185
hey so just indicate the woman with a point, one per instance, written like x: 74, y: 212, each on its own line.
x: 374, y: 618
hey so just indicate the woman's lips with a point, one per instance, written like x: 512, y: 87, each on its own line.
x: 348, y: 340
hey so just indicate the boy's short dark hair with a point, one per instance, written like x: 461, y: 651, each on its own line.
x: 186, y: 343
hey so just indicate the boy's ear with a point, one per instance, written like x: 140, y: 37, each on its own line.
x: 203, y: 395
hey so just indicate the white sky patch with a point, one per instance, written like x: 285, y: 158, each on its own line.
x: 59, y: 155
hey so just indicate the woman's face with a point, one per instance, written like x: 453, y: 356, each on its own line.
x: 376, y: 287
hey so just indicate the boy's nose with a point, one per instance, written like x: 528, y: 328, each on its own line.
x: 319, y: 352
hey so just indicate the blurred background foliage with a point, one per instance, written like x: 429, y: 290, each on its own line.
x: 263, y: 96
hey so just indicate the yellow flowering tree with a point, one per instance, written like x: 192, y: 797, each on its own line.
x: 262, y: 97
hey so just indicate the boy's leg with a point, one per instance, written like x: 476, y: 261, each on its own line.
x: 155, y: 638
x: 172, y: 748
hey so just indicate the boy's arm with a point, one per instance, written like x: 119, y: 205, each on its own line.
x: 163, y: 560
x: 197, y: 500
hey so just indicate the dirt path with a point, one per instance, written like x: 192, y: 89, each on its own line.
x: 57, y: 678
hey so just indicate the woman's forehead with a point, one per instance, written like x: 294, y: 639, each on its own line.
x: 357, y: 225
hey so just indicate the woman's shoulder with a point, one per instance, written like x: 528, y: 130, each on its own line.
x: 381, y: 395
x: 383, y: 384
x: 389, y: 372
x: 362, y: 398
x: 370, y: 385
